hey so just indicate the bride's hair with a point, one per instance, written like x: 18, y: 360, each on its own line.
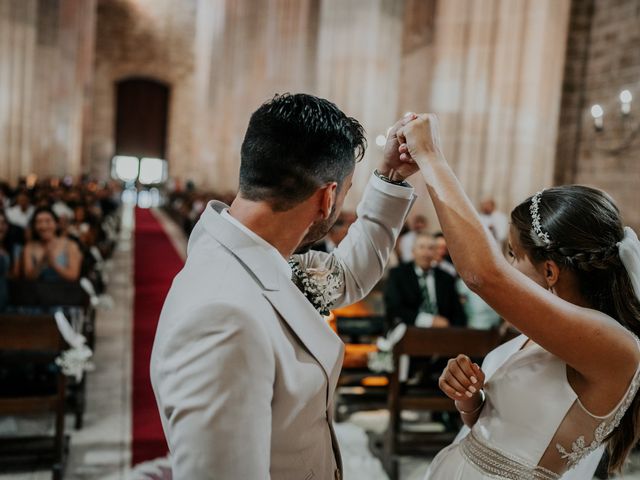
x: 584, y: 227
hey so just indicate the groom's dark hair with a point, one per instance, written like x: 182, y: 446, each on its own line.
x: 294, y: 144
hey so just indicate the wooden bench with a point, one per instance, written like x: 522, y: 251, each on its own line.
x: 73, y: 301
x: 33, y: 340
x: 427, y: 343
x: 359, y: 333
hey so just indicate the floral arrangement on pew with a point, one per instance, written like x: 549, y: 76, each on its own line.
x: 77, y: 359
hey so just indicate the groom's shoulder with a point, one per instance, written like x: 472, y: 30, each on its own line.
x: 210, y: 307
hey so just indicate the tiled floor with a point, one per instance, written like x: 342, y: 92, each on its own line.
x: 101, y: 450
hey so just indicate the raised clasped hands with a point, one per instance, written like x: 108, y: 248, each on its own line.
x: 394, y: 166
x: 411, y: 141
x: 419, y: 139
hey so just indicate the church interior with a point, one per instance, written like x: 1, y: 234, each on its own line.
x: 126, y: 117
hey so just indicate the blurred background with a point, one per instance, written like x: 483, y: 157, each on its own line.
x: 512, y: 80
x: 124, y: 117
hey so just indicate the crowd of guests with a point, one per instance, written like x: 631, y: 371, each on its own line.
x: 185, y: 204
x: 54, y: 230
x: 423, y: 288
x: 421, y: 285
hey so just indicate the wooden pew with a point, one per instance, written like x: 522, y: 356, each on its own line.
x: 424, y: 343
x: 33, y: 340
x: 71, y: 298
x: 359, y: 333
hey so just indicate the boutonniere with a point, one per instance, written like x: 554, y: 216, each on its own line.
x: 322, y: 287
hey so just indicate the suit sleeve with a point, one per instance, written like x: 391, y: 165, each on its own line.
x: 216, y: 386
x: 360, y: 259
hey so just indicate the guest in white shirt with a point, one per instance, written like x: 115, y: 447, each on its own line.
x: 20, y: 214
x: 59, y: 206
x: 417, y: 224
x: 443, y: 260
x: 496, y: 222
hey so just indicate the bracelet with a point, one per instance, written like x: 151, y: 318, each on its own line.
x: 402, y: 183
x: 475, y: 410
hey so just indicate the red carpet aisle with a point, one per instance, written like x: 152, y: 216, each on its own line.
x: 156, y: 263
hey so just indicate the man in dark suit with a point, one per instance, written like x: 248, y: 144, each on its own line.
x: 417, y: 293
x: 421, y: 294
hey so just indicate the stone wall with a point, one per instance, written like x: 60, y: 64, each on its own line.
x: 46, y: 68
x: 144, y: 38
x: 603, y: 58
x: 492, y: 69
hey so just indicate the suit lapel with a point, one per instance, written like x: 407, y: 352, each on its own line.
x: 312, y: 330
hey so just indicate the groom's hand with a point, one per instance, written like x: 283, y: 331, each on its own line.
x: 393, y: 166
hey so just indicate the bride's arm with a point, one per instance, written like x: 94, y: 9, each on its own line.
x: 591, y: 342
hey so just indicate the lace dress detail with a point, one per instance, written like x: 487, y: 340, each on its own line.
x: 581, y: 448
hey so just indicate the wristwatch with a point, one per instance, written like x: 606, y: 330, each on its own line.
x: 402, y: 183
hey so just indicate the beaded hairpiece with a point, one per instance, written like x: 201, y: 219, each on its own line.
x: 534, y: 209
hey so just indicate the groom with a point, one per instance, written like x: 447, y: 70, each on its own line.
x: 243, y: 366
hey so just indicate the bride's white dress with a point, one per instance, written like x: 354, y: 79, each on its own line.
x: 532, y: 427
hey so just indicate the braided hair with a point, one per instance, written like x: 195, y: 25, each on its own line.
x: 584, y: 227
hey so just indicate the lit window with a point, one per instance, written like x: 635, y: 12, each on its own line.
x: 125, y: 168
x: 152, y: 170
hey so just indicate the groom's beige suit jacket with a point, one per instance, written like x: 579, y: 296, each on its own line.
x: 243, y: 367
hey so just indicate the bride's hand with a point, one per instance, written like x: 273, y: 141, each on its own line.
x: 392, y: 166
x: 461, y: 380
x: 420, y: 138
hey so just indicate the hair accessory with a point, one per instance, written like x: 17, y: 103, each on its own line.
x: 629, y: 251
x: 534, y: 209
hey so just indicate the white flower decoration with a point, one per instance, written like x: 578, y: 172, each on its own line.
x: 322, y: 287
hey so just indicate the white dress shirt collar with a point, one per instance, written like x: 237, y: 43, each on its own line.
x: 279, y: 261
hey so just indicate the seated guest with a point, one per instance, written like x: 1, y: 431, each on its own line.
x: 59, y: 206
x: 48, y: 256
x: 5, y: 262
x: 479, y: 314
x: 22, y: 210
x: 417, y: 293
x: 494, y: 221
x: 417, y: 224
x: 5, y: 198
x: 443, y: 260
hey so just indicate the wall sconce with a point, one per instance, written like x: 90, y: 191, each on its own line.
x: 597, y: 112
x: 625, y: 102
x: 598, y: 117
x: 622, y: 130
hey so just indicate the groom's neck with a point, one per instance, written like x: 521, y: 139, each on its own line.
x: 283, y: 230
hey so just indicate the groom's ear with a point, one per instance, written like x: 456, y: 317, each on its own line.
x: 328, y: 199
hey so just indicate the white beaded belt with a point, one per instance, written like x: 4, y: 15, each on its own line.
x: 499, y: 464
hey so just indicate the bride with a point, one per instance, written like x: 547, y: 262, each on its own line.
x: 573, y: 290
